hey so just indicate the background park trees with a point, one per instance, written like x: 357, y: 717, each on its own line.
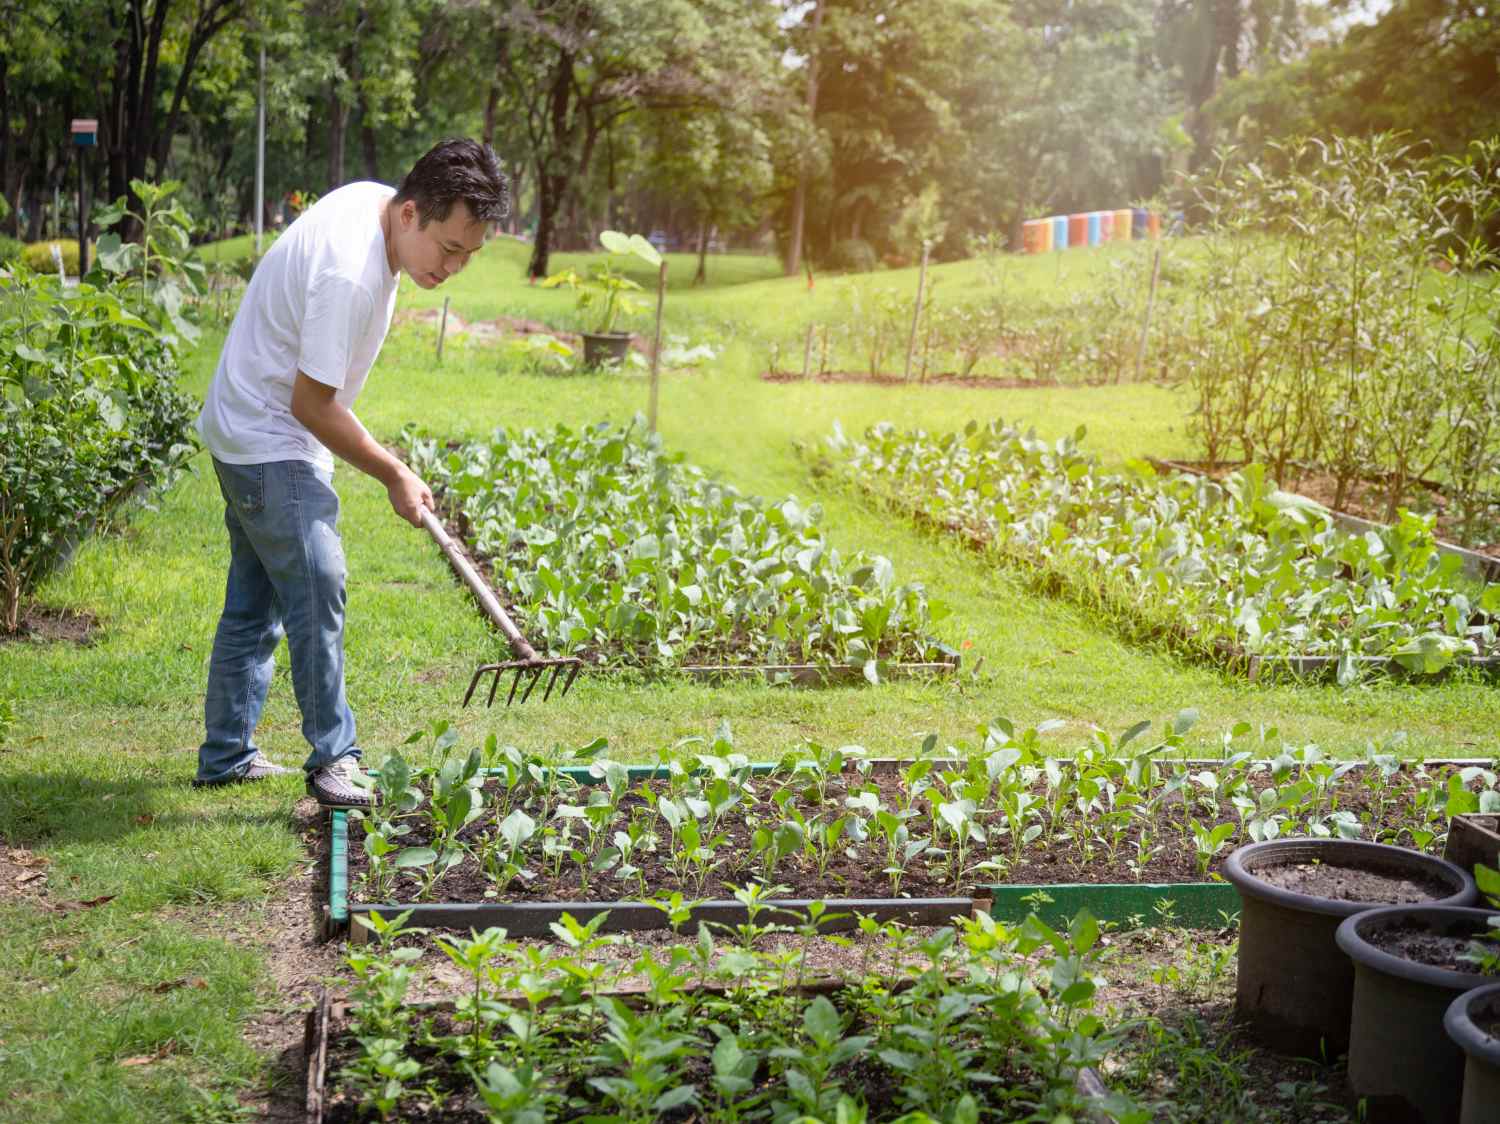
x: 808, y: 125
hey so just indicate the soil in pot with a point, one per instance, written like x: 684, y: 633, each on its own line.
x: 1419, y: 945
x: 1340, y: 883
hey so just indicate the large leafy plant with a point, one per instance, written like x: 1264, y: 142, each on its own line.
x: 611, y: 544
x: 1229, y: 570
x: 90, y: 415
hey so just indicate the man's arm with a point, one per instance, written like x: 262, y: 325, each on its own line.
x: 313, y: 405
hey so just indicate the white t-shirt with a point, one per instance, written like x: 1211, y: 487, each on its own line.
x: 320, y: 301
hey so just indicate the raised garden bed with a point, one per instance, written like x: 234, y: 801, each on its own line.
x: 726, y: 1022
x: 1237, y: 574
x: 608, y: 548
x: 1005, y: 832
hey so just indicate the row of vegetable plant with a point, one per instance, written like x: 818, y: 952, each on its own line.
x: 975, y: 1021
x: 90, y: 412
x: 615, y: 548
x: 1229, y: 570
x: 707, y: 823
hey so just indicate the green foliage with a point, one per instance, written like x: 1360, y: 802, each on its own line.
x: 11, y: 250
x: 854, y: 255
x: 980, y: 1014
x: 163, y: 260
x: 1320, y: 338
x: 89, y: 417
x: 1233, y: 569
x: 604, y: 291
x: 610, y: 543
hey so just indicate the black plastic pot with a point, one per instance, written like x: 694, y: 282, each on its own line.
x: 1401, y: 1062
x: 1481, y: 1101
x: 1295, y: 985
x: 600, y: 348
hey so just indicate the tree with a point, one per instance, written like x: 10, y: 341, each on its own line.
x: 1427, y: 68
x: 1071, y: 112
x: 570, y: 68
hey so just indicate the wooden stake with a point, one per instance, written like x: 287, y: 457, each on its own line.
x: 661, y: 296
x: 1140, y: 352
x: 442, y: 330
x: 807, y: 352
x: 916, y: 313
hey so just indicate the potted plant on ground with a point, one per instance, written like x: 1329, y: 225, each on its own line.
x: 604, y: 294
x: 1410, y: 963
x: 1295, y: 986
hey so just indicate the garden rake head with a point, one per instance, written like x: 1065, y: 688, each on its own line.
x: 527, y: 662
x: 535, y: 666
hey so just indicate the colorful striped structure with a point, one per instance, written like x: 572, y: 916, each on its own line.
x: 1089, y: 228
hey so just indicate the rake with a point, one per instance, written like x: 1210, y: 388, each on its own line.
x: 527, y: 661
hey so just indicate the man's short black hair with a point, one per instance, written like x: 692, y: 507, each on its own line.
x: 453, y: 170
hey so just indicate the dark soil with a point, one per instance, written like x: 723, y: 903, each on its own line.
x: 47, y: 625
x: 1367, y: 500
x: 1414, y: 941
x: 1060, y: 861
x: 1352, y: 884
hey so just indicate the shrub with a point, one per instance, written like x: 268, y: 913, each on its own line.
x: 37, y: 256
x: 10, y: 250
x: 855, y: 255
x: 89, y: 415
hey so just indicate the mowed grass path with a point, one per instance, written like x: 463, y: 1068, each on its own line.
x: 94, y: 775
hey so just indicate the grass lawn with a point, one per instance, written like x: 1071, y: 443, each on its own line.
x: 135, y: 1006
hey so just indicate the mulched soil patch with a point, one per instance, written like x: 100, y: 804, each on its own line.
x: 1367, y: 500
x: 1352, y: 884
x: 1415, y: 942
x: 1060, y: 862
x: 47, y: 625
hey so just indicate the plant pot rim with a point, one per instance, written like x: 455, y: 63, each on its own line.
x: 607, y: 335
x: 1242, y: 863
x: 1458, y: 1021
x: 1350, y: 937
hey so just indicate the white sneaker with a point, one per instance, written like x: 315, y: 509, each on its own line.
x: 341, y: 785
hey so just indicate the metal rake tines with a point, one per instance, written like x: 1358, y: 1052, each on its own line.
x: 535, y: 667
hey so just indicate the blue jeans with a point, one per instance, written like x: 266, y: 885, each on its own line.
x: 286, y: 577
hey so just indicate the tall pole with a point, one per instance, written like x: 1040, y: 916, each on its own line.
x: 661, y: 296
x: 260, y: 153
x: 83, y: 221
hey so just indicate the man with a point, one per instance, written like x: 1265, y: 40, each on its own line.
x: 278, y: 411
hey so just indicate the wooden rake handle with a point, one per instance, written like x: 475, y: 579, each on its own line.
x: 478, y: 587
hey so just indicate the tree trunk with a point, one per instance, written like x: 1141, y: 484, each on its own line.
x: 548, y: 195
x: 799, y: 198
x: 367, y: 143
x: 338, y: 117
x: 701, y: 277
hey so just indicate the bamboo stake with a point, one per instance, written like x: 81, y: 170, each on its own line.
x: 661, y: 296
x: 1140, y: 352
x: 807, y: 352
x: 916, y: 313
x: 442, y: 330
